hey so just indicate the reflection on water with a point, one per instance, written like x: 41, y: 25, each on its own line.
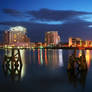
x: 52, y: 58
x: 78, y: 64
x: 61, y: 58
x: 40, y: 56
x: 87, y: 56
x: 76, y: 78
x: 42, y: 66
x: 78, y: 53
x: 46, y: 60
x: 14, y: 63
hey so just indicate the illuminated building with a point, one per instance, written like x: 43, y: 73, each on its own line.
x: 32, y: 44
x: 88, y: 43
x: 79, y: 42
x: 75, y: 42
x: 38, y: 44
x: 16, y: 35
x: 52, y: 38
x: 70, y: 41
x: 44, y: 44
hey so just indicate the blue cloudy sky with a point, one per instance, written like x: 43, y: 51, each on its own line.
x: 68, y: 17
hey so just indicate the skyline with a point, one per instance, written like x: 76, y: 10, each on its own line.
x: 69, y: 18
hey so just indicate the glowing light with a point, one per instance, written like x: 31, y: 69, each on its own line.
x: 80, y: 53
x: 33, y: 50
x: 14, y: 40
x: 61, y: 58
x: 41, y: 54
x: 8, y: 53
x: 15, y: 35
x: 46, y: 61
x: 41, y: 47
x: 22, y: 54
x: 88, y: 57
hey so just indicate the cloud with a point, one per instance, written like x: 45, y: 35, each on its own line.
x: 55, y: 15
x: 73, y: 25
x: 46, y: 16
x: 12, y: 12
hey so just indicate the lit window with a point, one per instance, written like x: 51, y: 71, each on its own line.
x: 15, y: 35
x: 14, y: 40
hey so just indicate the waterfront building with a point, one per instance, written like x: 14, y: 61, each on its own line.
x: 38, y: 44
x: 16, y: 35
x: 75, y: 42
x: 32, y: 45
x: 52, y: 38
x: 88, y: 43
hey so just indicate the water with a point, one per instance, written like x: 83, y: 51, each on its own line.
x: 43, y: 71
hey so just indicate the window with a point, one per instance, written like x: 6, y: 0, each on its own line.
x: 15, y: 36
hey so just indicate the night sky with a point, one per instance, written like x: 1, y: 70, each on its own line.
x: 68, y: 17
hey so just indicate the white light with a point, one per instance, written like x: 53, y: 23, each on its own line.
x: 61, y: 58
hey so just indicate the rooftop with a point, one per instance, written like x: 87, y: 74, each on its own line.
x: 18, y: 28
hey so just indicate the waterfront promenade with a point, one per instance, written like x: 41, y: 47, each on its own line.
x: 53, y: 47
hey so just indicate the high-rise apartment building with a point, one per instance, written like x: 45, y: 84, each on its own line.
x: 16, y: 35
x: 52, y: 38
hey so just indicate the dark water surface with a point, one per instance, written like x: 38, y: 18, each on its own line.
x: 43, y: 71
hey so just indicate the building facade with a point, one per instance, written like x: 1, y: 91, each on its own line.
x: 52, y: 38
x: 75, y: 42
x: 15, y: 36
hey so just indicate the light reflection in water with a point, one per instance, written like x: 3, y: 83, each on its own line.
x: 77, y: 68
x: 52, y: 58
x: 60, y: 57
x: 87, y: 55
x: 46, y: 60
x: 41, y: 56
x: 22, y: 53
x: 80, y: 53
x: 14, y: 63
x: 39, y: 61
x: 49, y: 58
x: 34, y: 56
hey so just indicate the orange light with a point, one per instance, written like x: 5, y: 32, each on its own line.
x: 88, y: 57
x: 46, y: 61
x: 14, y: 40
x: 39, y: 61
x: 80, y: 53
x: 15, y: 35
